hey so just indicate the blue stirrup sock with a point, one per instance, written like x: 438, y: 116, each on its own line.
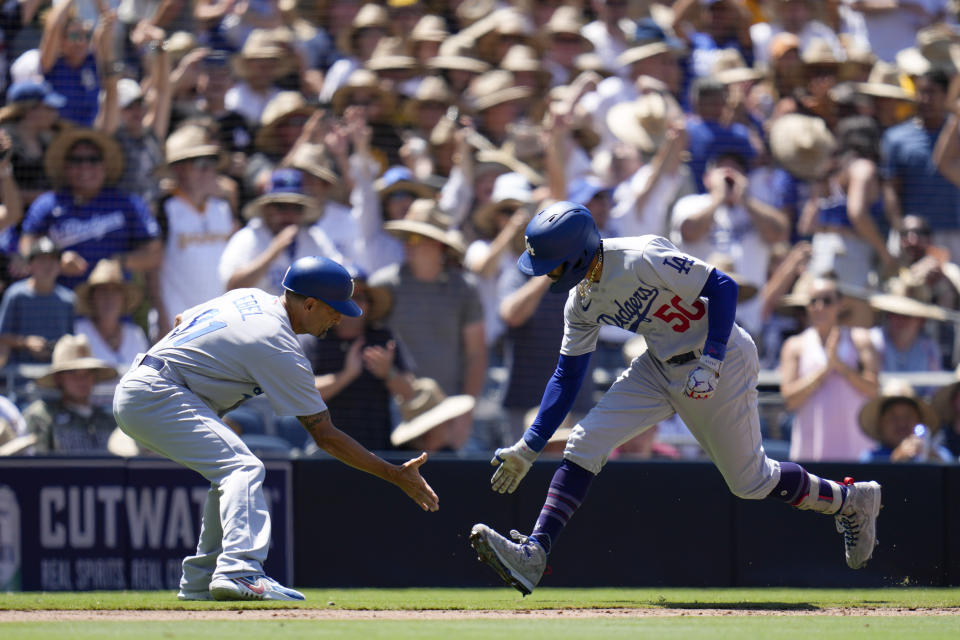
x: 804, y: 490
x: 565, y: 495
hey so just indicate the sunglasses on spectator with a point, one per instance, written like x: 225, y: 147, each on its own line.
x: 77, y: 36
x: 827, y: 299
x: 287, y: 207
x: 84, y: 160
x: 205, y: 162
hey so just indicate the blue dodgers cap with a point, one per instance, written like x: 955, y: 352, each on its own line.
x: 35, y: 91
x: 285, y: 181
x: 323, y: 279
x: 583, y: 190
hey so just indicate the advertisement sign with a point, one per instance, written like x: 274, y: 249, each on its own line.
x: 90, y: 524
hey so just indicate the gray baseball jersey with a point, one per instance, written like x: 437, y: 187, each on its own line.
x: 648, y: 287
x: 238, y: 346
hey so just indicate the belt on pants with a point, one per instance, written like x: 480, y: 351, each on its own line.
x: 682, y: 358
x: 153, y: 362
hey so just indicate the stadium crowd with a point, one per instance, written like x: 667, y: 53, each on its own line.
x: 156, y: 153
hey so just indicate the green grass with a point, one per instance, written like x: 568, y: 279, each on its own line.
x: 545, y: 598
x: 786, y: 628
x: 694, y: 625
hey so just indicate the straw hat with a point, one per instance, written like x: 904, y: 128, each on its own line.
x: 428, y: 408
x: 938, y: 44
x: 430, y: 89
x: 456, y: 53
x: 370, y: 16
x: 906, y: 306
x: 400, y: 178
x: 262, y: 44
x: 524, y: 59
x: 943, y: 399
x: 286, y: 187
x: 642, y: 122
x: 425, y: 218
x: 285, y: 104
x: 644, y: 51
x: 23, y: 96
x: 802, y: 144
x: 429, y: 28
x: 107, y: 271
x: 565, y: 20
x: 366, y: 80
x: 781, y: 43
x: 72, y: 353
x: 884, y: 82
x: 190, y: 141
x: 312, y: 159
x: 179, y: 44
x: 729, y: 67
x: 509, y: 190
x: 493, y: 88
x: 55, y: 158
x: 592, y: 61
x: 507, y: 159
x: 895, y: 389
x: 818, y: 52
x: 390, y: 55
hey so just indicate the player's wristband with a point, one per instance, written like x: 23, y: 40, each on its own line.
x: 534, y: 441
x: 715, y: 349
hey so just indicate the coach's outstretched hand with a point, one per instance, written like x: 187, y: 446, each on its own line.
x: 512, y: 465
x: 413, y: 484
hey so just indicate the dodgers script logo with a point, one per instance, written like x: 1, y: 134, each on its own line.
x: 632, y: 311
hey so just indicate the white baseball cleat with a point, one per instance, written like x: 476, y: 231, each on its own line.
x: 193, y: 595
x: 258, y: 587
x: 857, y: 521
x: 520, y: 564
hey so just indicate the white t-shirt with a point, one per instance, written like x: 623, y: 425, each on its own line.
x: 488, y: 287
x: 238, y: 346
x: 195, y: 241
x: 653, y: 218
x: 890, y: 31
x: 339, y: 225
x: 133, y: 341
x: 242, y: 99
x: 253, y: 239
x: 648, y: 287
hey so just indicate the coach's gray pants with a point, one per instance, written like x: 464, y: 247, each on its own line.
x: 171, y: 420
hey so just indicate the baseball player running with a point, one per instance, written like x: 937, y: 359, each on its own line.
x: 220, y: 353
x: 698, y: 364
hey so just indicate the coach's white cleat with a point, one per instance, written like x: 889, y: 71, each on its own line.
x: 857, y: 521
x: 251, y: 588
x: 520, y: 564
x: 194, y: 595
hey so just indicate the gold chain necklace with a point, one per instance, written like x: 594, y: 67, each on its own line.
x: 586, y: 286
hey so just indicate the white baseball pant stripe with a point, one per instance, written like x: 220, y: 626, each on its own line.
x: 726, y: 425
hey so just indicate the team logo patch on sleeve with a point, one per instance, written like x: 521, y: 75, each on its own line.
x: 681, y: 263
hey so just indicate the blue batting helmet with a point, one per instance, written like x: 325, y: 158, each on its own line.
x: 562, y: 234
x: 325, y: 280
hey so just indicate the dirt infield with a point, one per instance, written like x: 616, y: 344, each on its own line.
x: 521, y: 614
